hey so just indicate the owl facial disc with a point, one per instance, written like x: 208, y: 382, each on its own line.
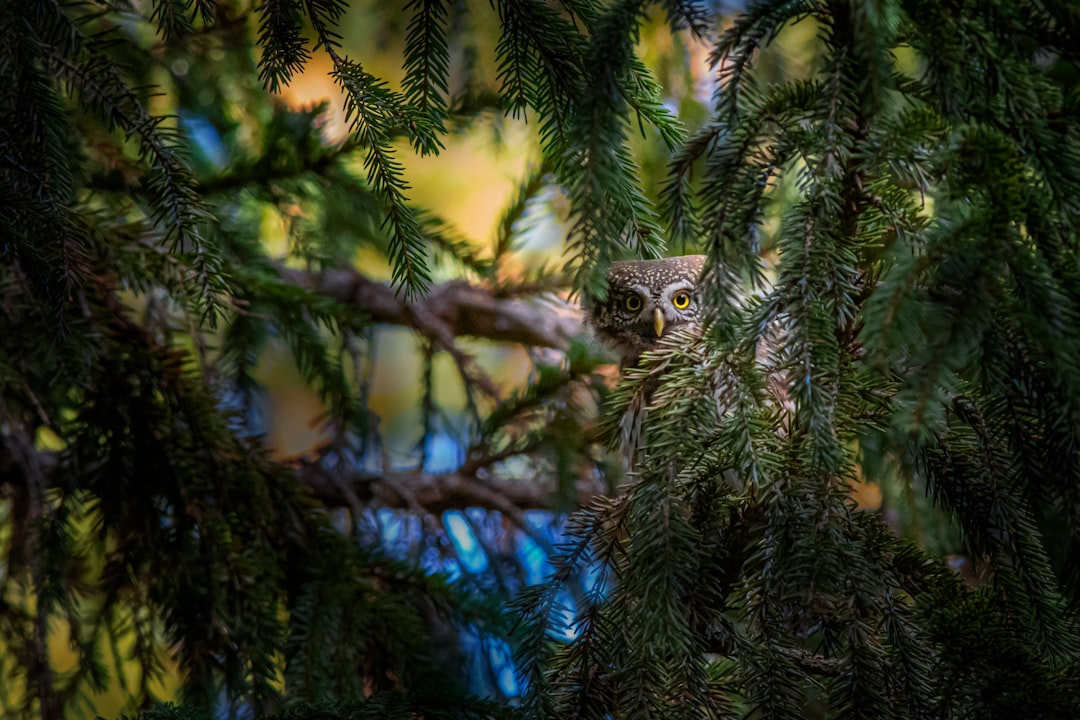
x: 647, y: 298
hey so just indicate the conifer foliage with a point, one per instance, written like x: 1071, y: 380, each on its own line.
x: 914, y: 316
x: 894, y: 296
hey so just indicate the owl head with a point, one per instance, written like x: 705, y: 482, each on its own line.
x: 646, y: 300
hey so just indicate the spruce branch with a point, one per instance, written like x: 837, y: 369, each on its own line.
x: 375, y: 113
x: 372, y: 109
x: 608, y: 208
x: 427, y: 63
x: 689, y: 15
x: 517, y: 213
x: 540, y: 62
x: 735, y: 50
x: 171, y: 18
x: 284, y: 50
x: 88, y: 71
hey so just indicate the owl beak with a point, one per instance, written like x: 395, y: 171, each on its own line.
x: 658, y: 321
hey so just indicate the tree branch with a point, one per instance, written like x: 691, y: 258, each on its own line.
x: 435, y: 492
x: 462, y: 308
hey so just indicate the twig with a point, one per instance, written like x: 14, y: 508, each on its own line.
x: 435, y: 329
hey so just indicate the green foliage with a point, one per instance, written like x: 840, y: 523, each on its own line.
x: 893, y: 296
x: 156, y: 525
x: 905, y: 231
x: 284, y: 49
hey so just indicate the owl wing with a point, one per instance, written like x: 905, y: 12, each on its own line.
x: 631, y: 436
x: 630, y: 431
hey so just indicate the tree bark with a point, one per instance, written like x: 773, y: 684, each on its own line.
x: 462, y: 308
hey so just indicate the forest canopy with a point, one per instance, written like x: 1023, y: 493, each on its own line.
x: 299, y: 414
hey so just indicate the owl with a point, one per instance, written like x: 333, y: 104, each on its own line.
x: 646, y: 300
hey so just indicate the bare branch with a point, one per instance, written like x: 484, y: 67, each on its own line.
x: 461, y: 308
x: 410, y: 490
x: 438, y: 492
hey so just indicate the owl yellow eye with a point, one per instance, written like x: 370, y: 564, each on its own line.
x: 632, y: 303
x: 681, y: 300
